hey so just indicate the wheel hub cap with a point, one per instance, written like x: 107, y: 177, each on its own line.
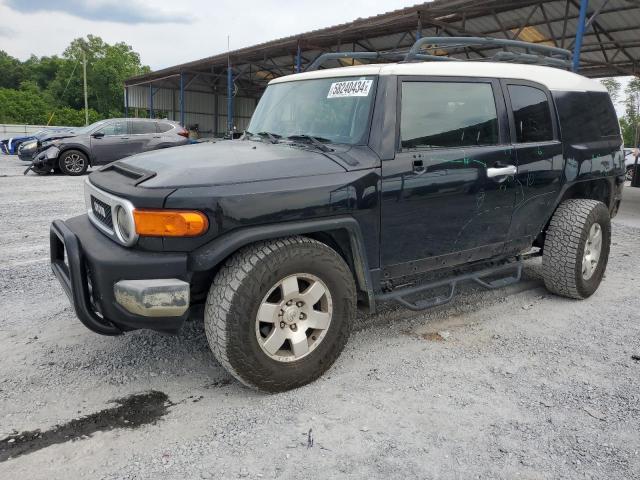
x: 294, y: 317
x: 592, y: 251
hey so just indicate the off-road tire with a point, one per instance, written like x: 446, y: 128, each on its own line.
x: 236, y: 294
x: 564, y: 247
x: 629, y: 173
x: 74, y: 173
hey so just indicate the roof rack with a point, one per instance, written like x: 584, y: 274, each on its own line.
x: 393, y: 56
x: 534, y: 53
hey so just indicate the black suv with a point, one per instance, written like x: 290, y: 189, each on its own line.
x: 351, y: 186
x: 72, y: 151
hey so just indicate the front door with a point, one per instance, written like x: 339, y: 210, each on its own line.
x: 448, y: 196
x: 108, y: 143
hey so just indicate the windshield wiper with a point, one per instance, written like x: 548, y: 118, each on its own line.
x: 316, y: 141
x: 273, y: 137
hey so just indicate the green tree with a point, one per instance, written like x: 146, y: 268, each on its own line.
x: 631, y: 122
x: 107, y: 68
x: 12, y: 71
x: 613, y: 86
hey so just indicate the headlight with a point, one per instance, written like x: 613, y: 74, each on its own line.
x: 124, y: 224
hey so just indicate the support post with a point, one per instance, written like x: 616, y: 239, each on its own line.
x: 126, y: 102
x: 182, y: 99
x: 84, y: 81
x: 584, y: 4
x: 215, y: 113
x: 419, y: 30
x: 151, y: 114
x: 229, y: 97
x: 298, y: 59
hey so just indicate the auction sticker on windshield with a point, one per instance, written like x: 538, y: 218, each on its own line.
x: 350, y: 88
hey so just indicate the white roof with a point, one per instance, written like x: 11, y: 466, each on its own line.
x: 552, y: 78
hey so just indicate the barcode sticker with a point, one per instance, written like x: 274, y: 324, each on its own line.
x: 350, y: 88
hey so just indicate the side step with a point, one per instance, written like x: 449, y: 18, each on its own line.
x: 515, y: 268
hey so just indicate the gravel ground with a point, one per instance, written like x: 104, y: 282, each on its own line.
x: 510, y: 384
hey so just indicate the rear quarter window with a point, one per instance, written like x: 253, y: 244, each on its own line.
x: 164, y: 127
x: 586, y: 116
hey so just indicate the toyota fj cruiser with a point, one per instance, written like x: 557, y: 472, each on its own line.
x: 351, y: 186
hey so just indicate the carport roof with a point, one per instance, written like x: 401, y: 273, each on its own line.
x: 611, y: 44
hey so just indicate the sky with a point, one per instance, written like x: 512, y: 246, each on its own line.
x: 166, y: 33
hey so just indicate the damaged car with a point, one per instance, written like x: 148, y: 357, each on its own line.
x: 73, y: 152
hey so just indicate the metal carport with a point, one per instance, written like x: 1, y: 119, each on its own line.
x: 221, y: 91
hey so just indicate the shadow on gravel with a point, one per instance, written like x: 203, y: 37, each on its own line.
x: 132, y: 412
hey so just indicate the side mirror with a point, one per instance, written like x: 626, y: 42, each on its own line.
x: 98, y: 135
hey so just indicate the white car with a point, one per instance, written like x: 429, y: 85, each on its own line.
x: 629, y: 161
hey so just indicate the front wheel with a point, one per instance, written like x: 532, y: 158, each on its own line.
x: 73, y: 162
x: 279, y: 313
x: 576, y: 248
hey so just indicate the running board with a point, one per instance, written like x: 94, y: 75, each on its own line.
x: 399, y: 295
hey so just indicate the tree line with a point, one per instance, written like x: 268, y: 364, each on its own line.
x: 49, y: 90
x: 630, y: 99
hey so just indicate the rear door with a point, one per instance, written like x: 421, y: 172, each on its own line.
x: 539, y: 157
x: 108, y: 143
x: 143, y: 136
x: 448, y: 195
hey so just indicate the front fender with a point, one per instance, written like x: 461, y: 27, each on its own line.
x: 212, y: 254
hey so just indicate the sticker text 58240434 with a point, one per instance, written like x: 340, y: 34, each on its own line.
x: 350, y: 88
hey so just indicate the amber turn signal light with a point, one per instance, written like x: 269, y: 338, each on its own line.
x: 170, y: 223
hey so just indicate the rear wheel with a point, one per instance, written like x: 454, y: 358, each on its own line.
x: 279, y: 313
x: 73, y: 162
x: 576, y: 248
x: 629, y: 174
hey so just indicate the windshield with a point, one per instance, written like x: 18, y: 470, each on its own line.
x: 89, y: 128
x: 336, y: 110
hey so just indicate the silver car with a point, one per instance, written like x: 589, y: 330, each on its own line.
x: 103, y: 142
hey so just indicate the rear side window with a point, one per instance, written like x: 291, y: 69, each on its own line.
x: 586, y: 116
x: 531, y: 114
x: 139, y: 128
x: 164, y: 127
x: 447, y: 114
x: 602, y: 110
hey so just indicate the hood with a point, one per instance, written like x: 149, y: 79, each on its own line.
x: 56, y: 136
x: 229, y: 162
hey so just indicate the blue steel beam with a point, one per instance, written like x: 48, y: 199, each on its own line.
x: 182, y: 99
x: 150, y: 100
x: 299, y: 59
x: 229, y: 97
x: 582, y: 18
x: 126, y: 102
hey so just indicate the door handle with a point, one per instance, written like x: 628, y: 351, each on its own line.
x: 124, y: 138
x: 502, y: 171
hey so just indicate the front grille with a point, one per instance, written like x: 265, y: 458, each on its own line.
x: 102, y: 211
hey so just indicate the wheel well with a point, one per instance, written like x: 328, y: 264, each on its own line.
x: 593, y: 190
x: 338, y: 240
x: 599, y: 189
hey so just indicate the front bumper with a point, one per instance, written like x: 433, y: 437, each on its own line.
x: 88, y: 266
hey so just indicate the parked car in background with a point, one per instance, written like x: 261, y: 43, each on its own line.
x: 104, y: 142
x: 629, y: 162
x: 29, y: 148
